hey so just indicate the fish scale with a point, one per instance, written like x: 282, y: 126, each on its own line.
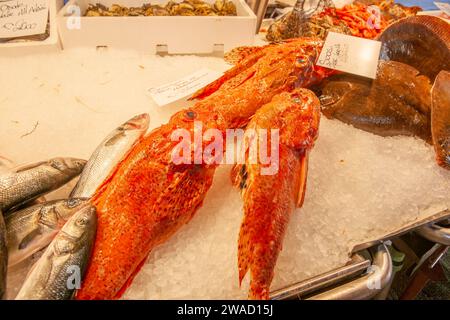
x: 65, y: 259
x: 27, y: 183
x: 31, y: 229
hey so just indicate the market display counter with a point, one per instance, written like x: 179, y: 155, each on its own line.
x: 360, y: 186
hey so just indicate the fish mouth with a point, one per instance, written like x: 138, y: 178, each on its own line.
x: 75, y: 163
x: 138, y: 122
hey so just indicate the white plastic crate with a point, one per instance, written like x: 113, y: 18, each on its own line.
x: 174, y: 34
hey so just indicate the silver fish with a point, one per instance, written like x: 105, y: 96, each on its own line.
x: 60, y: 270
x: 32, y: 229
x: 3, y: 257
x: 29, y: 182
x: 108, y: 155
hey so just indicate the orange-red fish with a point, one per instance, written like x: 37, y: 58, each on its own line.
x: 271, y: 197
x: 148, y: 198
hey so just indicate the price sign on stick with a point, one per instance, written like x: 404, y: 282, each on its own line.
x: 20, y: 18
x: 350, y: 54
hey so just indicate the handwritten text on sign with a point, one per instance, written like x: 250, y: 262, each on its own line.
x: 350, y: 54
x: 184, y: 87
x: 20, y: 18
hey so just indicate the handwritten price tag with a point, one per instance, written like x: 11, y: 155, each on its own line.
x: 350, y: 54
x: 184, y: 87
x: 20, y: 18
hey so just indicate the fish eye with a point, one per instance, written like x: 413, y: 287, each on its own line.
x: 57, y: 164
x: 191, y: 115
x: 82, y: 221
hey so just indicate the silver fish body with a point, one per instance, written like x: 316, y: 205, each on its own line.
x: 108, y: 155
x: 60, y: 270
x: 27, y: 183
x: 3, y: 257
x: 32, y: 229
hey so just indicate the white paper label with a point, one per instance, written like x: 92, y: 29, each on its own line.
x: 350, y: 54
x: 20, y: 18
x: 184, y: 87
x: 444, y: 7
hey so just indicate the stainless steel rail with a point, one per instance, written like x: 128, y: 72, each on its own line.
x: 362, y: 278
x: 365, y: 278
x: 355, y: 267
x: 435, y: 233
x: 367, y: 286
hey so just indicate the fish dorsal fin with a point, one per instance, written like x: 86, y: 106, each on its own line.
x: 244, y: 63
x: 28, y: 166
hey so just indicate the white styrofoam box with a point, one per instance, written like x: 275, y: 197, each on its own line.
x: 174, y: 34
x: 30, y: 47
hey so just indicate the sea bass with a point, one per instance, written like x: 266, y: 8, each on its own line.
x: 58, y: 272
x: 108, y: 155
x: 33, y: 228
x: 27, y: 183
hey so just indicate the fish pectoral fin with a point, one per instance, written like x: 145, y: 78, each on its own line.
x: 29, y: 238
x: 303, y: 175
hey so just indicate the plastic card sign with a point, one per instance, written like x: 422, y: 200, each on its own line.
x: 350, y: 54
x: 19, y: 18
x: 184, y: 87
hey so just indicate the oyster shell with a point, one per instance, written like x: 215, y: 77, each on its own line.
x: 172, y: 8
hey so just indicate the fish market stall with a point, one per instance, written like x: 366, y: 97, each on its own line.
x: 362, y: 188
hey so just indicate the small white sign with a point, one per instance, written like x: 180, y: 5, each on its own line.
x: 20, y: 18
x: 350, y: 54
x: 184, y: 87
x: 444, y: 7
